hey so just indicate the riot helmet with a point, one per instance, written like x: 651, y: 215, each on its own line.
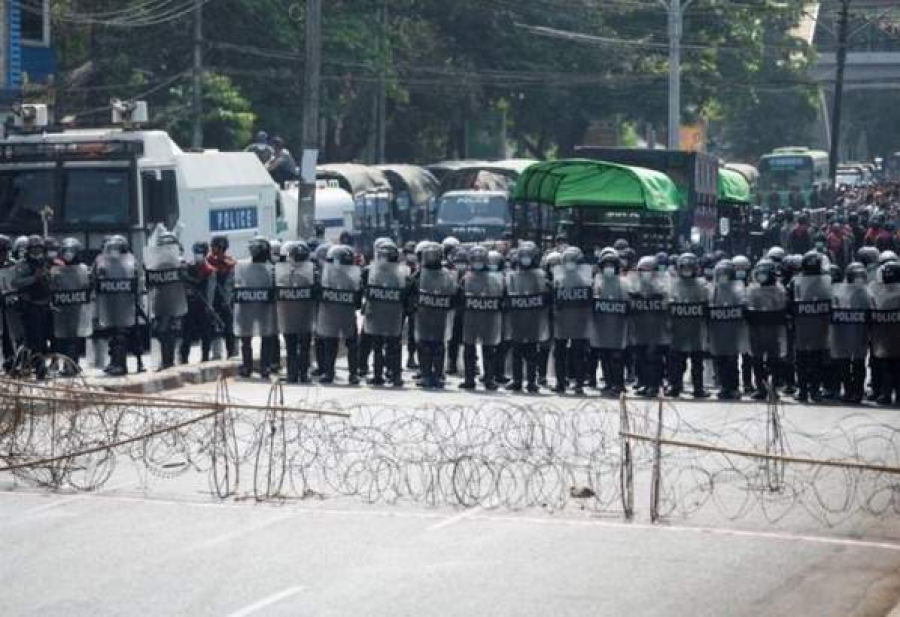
x: 812, y: 264
x: 628, y: 257
x: 34, y: 248
x: 388, y: 253
x: 776, y: 254
x: 260, y: 250
x: 621, y: 244
x: 571, y: 257
x: 449, y: 246
x: 890, y: 273
x: 741, y: 267
x: 610, y: 264
x: 115, y: 246
x: 528, y: 255
x: 71, y: 248
x: 867, y: 255
x: 19, y: 247
x: 687, y: 265
x: 856, y: 274
x: 432, y: 255
x: 298, y: 252
x: 340, y: 255
x: 662, y: 261
x: 725, y: 272
x: 321, y: 253
x: 275, y: 250
x: 765, y: 273
x: 646, y: 268
x: 495, y: 261
x: 552, y: 260
x: 478, y: 258
x: 886, y: 257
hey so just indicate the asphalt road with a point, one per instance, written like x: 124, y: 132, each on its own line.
x: 169, y: 548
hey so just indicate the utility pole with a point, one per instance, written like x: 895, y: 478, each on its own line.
x: 311, y: 88
x: 381, y: 102
x: 675, y: 10
x: 841, y: 57
x: 197, y: 102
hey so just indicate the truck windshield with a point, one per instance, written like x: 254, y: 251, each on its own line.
x: 96, y: 196
x: 23, y: 193
x: 473, y: 209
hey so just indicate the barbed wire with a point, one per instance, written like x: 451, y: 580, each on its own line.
x: 495, y: 454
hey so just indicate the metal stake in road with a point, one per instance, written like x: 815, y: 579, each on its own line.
x: 675, y: 10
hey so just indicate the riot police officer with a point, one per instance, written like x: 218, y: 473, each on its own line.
x: 483, y: 293
x: 339, y: 299
x: 117, y: 279
x: 527, y: 306
x: 385, y: 300
x: 849, y: 332
x: 766, y: 316
x: 70, y: 284
x: 687, y: 310
x: 609, y: 334
x: 164, y: 270
x: 572, y: 316
x: 32, y: 282
x: 201, y: 320
x: 811, y: 299
x: 434, y: 290
x: 727, y: 332
x: 885, y: 331
x: 254, y: 306
x: 222, y: 276
x: 649, y: 324
x: 296, y: 284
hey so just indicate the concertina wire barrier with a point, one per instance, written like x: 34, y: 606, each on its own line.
x: 502, y: 453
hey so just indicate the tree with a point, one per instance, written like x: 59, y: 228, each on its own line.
x: 228, y: 119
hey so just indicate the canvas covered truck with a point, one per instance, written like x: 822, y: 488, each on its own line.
x: 695, y: 174
x: 593, y: 203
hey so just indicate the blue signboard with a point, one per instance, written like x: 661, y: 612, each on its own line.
x: 233, y: 219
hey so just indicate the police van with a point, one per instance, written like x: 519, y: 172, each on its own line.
x: 92, y: 183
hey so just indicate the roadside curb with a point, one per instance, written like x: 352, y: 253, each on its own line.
x: 170, y: 379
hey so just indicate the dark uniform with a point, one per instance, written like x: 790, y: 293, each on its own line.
x: 885, y: 331
x: 339, y: 299
x: 850, y: 333
x: 385, y: 294
x: 766, y: 316
x: 811, y: 303
x: 71, y: 287
x: 483, y: 294
x: 727, y: 334
x: 254, y: 306
x: 572, y: 319
x: 609, y: 334
x: 164, y: 270
x: 435, y: 295
x: 649, y: 324
x: 32, y: 282
x: 688, y: 310
x: 297, y: 291
x: 117, y: 278
x: 201, y: 321
x: 527, y: 315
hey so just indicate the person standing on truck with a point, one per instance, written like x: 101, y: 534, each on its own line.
x: 222, y: 266
x: 282, y: 166
x: 261, y: 148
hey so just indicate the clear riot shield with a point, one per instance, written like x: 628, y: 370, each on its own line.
x: 254, y: 300
x: 338, y: 296
x: 164, y: 271
x: 527, y: 306
x: 435, y: 302
x: 296, y: 303
x: 71, y: 301
x: 727, y: 331
x: 483, y: 310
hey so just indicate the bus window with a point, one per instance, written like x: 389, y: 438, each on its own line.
x: 23, y: 193
x: 160, y: 197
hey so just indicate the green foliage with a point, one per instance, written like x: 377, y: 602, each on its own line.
x: 227, y: 116
x: 445, y: 62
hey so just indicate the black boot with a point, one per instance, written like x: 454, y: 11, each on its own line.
x: 246, y: 369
